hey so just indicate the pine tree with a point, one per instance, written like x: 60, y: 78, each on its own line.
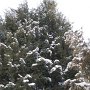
x: 49, y: 37
x: 34, y: 54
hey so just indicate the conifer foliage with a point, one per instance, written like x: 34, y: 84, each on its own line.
x: 33, y: 51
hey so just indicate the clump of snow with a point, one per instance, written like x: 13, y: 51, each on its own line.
x: 55, y: 68
x: 46, y: 41
x: 28, y: 76
x: 67, y: 82
x: 35, y: 64
x: 31, y: 84
x: 35, y: 23
x: 49, y: 51
x: 22, y: 61
x: 77, y: 58
x: 36, y: 49
x: 2, y: 45
x: 23, y: 46
x: 21, y: 30
x: 9, y: 47
x: 50, y: 36
x: 10, y: 64
x: 83, y: 84
x: 79, y: 74
x: 16, y: 65
x: 70, y: 65
x: 9, y: 35
x: 29, y: 53
x: 1, y: 86
x: 6, y: 55
x: 14, y: 44
x: 20, y: 76
x: 56, y: 61
x: 53, y: 42
x: 47, y: 61
x: 33, y: 51
x: 49, y: 79
x: 10, y: 84
x: 57, y: 44
x: 0, y: 64
x: 25, y: 81
x: 15, y: 40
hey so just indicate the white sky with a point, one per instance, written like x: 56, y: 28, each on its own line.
x: 77, y: 11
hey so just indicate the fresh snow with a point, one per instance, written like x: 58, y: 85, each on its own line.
x: 25, y: 80
x: 3, y: 45
x: 47, y: 61
x: 28, y: 76
x: 56, y: 61
x: 22, y: 61
x: 85, y: 85
x: 33, y: 51
x: 35, y: 22
x: 10, y: 84
x: 1, y: 85
x: 31, y: 84
x: 35, y: 64
x: 55, y: 68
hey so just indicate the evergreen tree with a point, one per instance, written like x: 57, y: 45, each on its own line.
x: 34, y: 54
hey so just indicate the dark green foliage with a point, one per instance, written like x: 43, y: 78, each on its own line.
x: 70, y: 74
x: 34, y: 54
x: 10, y: 21
x: 22, y: 12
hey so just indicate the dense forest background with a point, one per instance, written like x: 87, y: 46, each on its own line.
x: 40, y: 51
